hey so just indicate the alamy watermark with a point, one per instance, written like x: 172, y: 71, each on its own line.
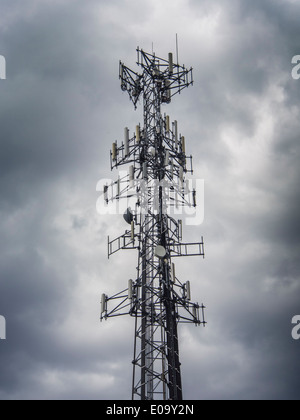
x: 2, y: 328
x: 185, y: 199
x: 296, y: 328
x: 296, y: 68
x: 2, y: 68
x: 2, y: 77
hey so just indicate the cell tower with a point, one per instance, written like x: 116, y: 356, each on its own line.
x: 155, y: 180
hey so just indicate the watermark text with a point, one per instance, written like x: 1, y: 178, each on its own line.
x: 296, y: 68
x: 2, y: 68
x: 185, y: 198
x: 296, y: 328
x: 2, y: 328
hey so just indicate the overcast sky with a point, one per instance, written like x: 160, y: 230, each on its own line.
x: 61, y: 107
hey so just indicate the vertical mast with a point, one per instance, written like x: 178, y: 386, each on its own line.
x: 158, y: 164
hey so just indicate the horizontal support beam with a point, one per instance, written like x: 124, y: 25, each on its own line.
x: 187, y: 249
x: 122, y: 242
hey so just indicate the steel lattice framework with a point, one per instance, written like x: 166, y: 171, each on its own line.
x: 158, y: 163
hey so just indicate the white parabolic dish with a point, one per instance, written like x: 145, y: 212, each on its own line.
x: 159, y: 251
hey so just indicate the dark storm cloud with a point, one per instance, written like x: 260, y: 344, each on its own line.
x: 60, y: 109
x: 43, y: 100
x: 48, y: 129
x: 252, y: 195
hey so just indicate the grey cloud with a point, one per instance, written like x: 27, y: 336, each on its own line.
x: 61, y: 107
